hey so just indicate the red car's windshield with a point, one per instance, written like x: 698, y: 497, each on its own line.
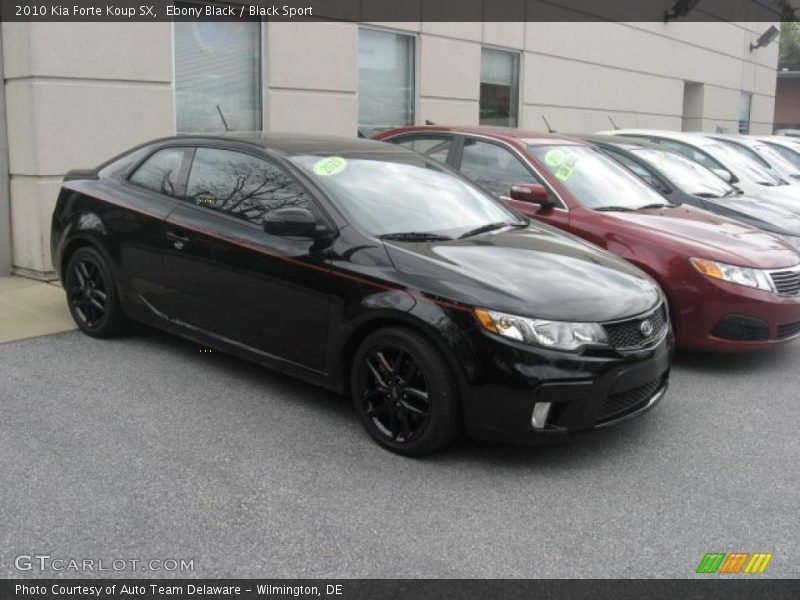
x: 597, y: 182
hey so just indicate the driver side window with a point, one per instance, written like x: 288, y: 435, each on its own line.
x: 241, y: 185
x: 494, y: 167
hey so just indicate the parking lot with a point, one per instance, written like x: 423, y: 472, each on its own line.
x: 145, y: 447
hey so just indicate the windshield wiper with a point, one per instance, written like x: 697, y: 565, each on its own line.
x: 484, y: 229
x: 657, y: 205
x: 614, y: 209
x: 414, y: 236
x: 706, y: 195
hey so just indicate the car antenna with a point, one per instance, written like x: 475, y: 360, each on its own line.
x: 549, y: 129
x: 221, y: 116
x: 429, y: 122
x: 612, y: 123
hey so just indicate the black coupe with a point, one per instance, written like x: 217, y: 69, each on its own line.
x: 369, y: 269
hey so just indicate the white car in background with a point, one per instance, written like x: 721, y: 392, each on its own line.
x: 788, y: 147
x: 762, y: 153
x: 729, y: 163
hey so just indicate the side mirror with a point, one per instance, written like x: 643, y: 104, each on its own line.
x: 291, y: 222
x: 724, y: 174
x: 532, y: 193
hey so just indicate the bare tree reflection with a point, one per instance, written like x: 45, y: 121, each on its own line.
x: 241, y: 185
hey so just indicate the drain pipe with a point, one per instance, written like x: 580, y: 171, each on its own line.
x: 5, y: 196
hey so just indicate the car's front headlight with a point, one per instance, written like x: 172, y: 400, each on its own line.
x: 754, y: 278
x: 557, y: 335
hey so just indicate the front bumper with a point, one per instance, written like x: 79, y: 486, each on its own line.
x: 584, y: 392
x: 724, y: 317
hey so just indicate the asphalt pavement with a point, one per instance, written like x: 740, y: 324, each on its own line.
x: 144, y: 447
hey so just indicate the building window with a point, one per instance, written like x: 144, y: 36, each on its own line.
x: 217, y: 76
x: 499, y: 87
x: 744, y: 112
x: 385, y: 80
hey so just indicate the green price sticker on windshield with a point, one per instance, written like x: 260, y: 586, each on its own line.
x: 554, y: 157
x: 333, y: 165
x: 567, y: 168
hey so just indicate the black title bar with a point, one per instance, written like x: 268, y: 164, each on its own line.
x: 741, y: 588
x: 398, y: 10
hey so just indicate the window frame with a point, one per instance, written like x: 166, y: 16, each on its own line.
x: 415, y: 36
x: 263, y: 73
x: 520, y: 70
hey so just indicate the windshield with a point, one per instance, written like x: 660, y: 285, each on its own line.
x: 778, y: 162
x: 689, y: 176
x: 742, y: 166
x: 404, y: 193
x: 597, y: 182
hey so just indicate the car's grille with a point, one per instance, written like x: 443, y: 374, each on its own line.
x: 741, y: 329
x: 631, y: 334
x: 787, y: 282
x: 619, y: 405
x: 789, y: 330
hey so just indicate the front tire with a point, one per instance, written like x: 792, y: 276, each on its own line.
x: 91, y: 294
x: 404, y: 392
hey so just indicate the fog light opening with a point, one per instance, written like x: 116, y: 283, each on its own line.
x: 541, y: 410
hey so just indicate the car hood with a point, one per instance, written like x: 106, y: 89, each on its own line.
x: 776, y: 216
x: 703, y: 234
x: 535, y: 272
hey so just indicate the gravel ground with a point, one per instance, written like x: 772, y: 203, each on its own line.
x: 145, y: 448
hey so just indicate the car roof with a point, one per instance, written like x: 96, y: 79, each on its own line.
x: 625, y: 143
x: 698, y: 138
x: 527, y: 136
x: 291, y: 144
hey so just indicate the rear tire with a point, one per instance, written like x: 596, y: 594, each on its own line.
x: 404, y: 393
x: 92, y: 295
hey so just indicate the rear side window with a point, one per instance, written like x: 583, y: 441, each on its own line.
x: 161, y: 172
x: 436, y: 148
x: 241, y: 185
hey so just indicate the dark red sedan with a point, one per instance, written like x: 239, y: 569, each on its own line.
x: 731, y: 287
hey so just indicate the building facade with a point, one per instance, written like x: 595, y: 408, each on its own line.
x: 77, y: 93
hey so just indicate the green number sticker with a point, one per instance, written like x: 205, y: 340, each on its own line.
x: 554, y: 157
x: 333, y: 165
x: 565, y: 171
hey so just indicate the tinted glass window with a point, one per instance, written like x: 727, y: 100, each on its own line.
x: 499, y: 94
x: 494, y: 167
x: 385, y: 80
x: 404, y: 193
x: 160, y: 172
x: 693, y: 153
x: 217, y: 75
x: 434, y: 147
x: 241, y: 185
x: 596, y: 181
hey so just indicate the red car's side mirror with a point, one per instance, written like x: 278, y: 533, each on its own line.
x: 533, y: 193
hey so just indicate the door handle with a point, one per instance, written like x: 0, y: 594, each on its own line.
x: 177, y: 240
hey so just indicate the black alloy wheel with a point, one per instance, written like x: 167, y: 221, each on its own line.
x: 403, y: 391
x: 91, y: 295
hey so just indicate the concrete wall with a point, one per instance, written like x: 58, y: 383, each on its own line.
x: 78, y: 93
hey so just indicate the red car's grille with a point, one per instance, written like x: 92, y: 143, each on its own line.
x: 787, y: 283
x: 630, y: 335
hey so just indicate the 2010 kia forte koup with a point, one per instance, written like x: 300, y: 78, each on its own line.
x: 369, y: 269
